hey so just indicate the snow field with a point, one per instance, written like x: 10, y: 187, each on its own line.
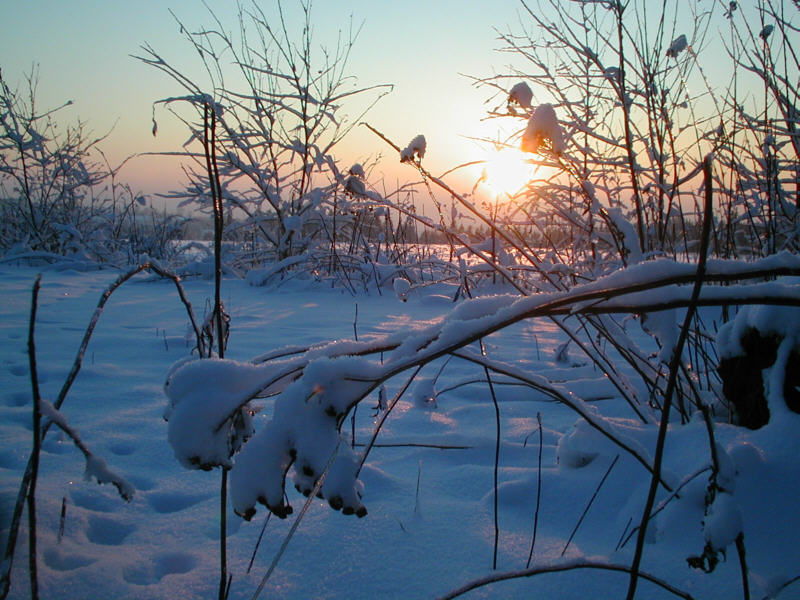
x: 429, y: 527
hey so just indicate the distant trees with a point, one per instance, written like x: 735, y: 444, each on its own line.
x: 59, y: 196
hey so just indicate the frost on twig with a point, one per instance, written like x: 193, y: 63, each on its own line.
x: 96, y: 467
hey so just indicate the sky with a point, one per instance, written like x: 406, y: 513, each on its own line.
x: 83, y: 52
x: 427, y: 50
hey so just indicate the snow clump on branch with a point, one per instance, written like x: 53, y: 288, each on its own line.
x: 520, y: 94
x: 416, y: 147
x: 543, y: 126
x: 355, y: 180
x: 304, y: 434
x: 677, y: 46
x: 207, y: 421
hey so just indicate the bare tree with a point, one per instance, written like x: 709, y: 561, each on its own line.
x: 277, y: 126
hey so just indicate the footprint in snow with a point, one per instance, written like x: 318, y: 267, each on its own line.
x: 142, y: 484
x: 122, y: 448
x: 170, y: 502
x: 57, y: 444
x: 168, y: 563
x: 16, y: 399
x: 11, y: 459
x: 108, y: 532
x: 19, y: 370
x: 96, y: 500
x: 58, y: 560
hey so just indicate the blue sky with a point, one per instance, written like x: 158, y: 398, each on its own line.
x: 83, y: 48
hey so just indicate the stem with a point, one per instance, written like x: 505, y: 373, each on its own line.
x: 538, y: 491
x: 37, y: 444
x: 743, y: 565
x: 223, y: 535
x: 559, y: 568
x: 589, y: 505
x: 209, y: 142
x: 496, y: 460
x: 671, y: 383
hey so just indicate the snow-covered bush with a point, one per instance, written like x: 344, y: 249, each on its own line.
x: 271, y: 139
x: 59, y: 197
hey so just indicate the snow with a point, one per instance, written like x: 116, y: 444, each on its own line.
x: 401, y: 287
x: 723, y: 523
x: 783, y: 321
x: 204, y: 395
x: 543, y: 127
x: 415, y: 149
x: 428, y: 526
x: 678, y: 45
x: 521, y: 94
x: 357, y: 170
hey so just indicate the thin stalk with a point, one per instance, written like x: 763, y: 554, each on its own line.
x: 496, y: 458
x: 538, y: 491
x: 311, y: 497
x: 560, y: 568
x: 671, y: 383
x: 258, y: 542
x: 223, y: 534
x: 37, y: 443
x: 589, y: 505
x: 743, y: 565
x: 209, y: 144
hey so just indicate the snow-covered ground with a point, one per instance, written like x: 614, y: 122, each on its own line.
x: 430, y: 525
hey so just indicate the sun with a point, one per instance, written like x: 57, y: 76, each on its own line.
x: 506, y: 171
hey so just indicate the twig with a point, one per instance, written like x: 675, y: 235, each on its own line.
x: 258, y: 542
x: 559, y: 568
x: 496, y: 457
x: 743, y: 565
x: 671, y: 383
x: 417, y: 445
x: 223, y: 534
x: 589, y: 505
x: 538, y: 491
x: 62, y: 519
x: 37, y: 442
x: 311, y: 497
x: 782, y: 587
x: 416, y: 494
x: 385, y: 414
x: 662, y: 505
x: 209, y: 146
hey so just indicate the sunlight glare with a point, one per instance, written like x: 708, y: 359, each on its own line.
x: 507, y: 170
